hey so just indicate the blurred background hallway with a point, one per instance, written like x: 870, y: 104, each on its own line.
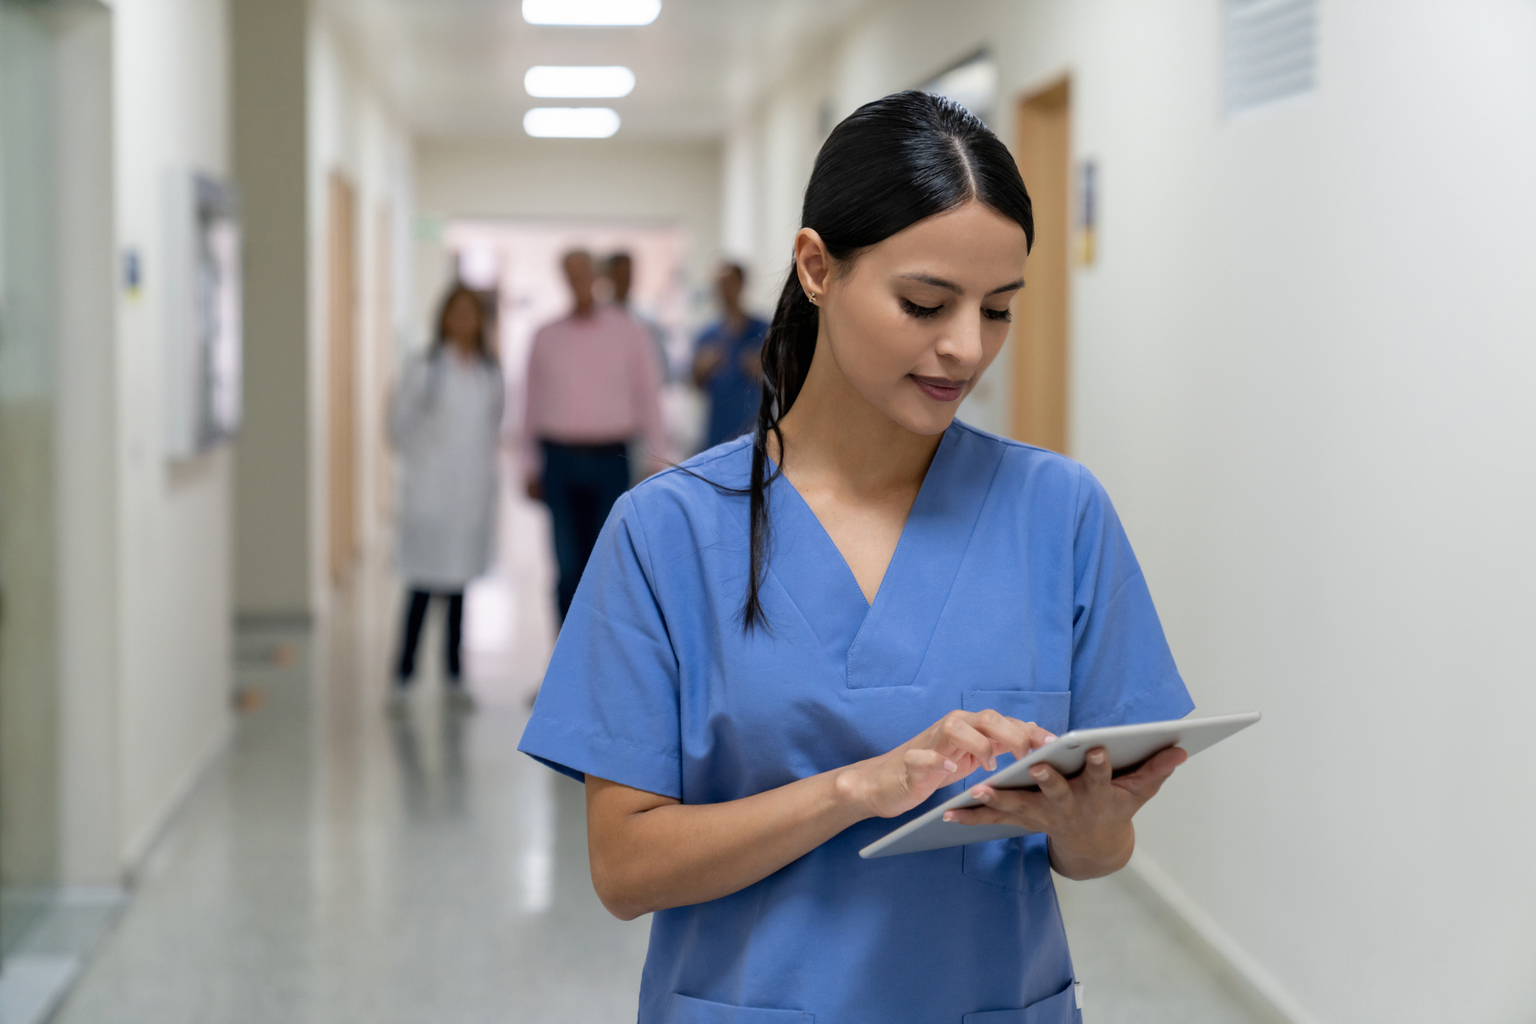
x: 341, y: 865
x: 1281, y: 305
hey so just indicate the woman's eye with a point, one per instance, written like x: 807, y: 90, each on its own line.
x: 921, y: 312
x: 1004, y: 315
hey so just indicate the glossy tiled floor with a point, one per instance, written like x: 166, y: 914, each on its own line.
x: 338, y: 866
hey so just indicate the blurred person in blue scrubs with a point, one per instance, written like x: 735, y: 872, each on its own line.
x: 727, y: 363
x: 445, y: 423
x: 791, y: 644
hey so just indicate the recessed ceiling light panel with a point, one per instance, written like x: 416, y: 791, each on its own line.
x: 571, y: 122
x: 590, y: 12
x: 583, y: 83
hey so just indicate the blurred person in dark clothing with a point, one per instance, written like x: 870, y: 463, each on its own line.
x: 593, y: 386
x: 728, y: 363
x: 445, y: 423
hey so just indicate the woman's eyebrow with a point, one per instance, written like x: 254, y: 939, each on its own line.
x: 939, y: 282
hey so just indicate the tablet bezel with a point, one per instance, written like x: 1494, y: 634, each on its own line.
x: 1127, y: 745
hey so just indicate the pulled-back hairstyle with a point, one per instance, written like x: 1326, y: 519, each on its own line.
x: 888, y: 165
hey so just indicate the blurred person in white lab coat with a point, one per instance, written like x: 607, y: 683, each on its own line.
x: 446, y: 426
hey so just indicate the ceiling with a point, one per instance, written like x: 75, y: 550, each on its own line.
x: 455, y: 67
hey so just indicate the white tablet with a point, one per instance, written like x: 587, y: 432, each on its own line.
x: 1127, y: 746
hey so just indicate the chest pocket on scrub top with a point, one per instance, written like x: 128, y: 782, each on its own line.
x: 1022, y: 864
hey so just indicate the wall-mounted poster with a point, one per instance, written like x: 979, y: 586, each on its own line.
x: 1087, y: 211
x: 202, y: 328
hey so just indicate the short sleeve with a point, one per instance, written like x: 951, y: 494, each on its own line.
x: 608, y: 705
x: 1122, y: 670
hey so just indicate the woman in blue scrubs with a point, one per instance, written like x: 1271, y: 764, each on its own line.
x: 794, y: 642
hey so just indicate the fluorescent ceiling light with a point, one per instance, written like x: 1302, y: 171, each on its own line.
x: 571, y: 122
x: 579, y: 82
x: 590, y: 12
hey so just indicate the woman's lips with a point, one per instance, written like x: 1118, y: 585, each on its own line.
x: 940, y: 389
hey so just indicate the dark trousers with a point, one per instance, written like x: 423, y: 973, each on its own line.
x: 410, y: 637
x: 581, y: 483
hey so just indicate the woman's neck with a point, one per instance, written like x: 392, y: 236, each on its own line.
x: 834, y: 438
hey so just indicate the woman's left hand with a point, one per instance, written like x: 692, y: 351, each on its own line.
x: 1088, y: 817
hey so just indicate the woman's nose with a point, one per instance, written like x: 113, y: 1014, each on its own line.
x: 962, y: 342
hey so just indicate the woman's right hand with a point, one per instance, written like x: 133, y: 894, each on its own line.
x: 947, y: 751
x: 651, y: 852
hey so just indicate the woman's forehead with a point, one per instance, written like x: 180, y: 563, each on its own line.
x: 969, y: 245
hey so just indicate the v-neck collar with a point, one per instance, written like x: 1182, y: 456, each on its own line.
x: 883, y: 643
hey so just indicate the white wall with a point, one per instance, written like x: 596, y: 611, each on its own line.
x: 36, y: 457
x: 89, y: 623
x: 270, y: 42
x: 673, y: 182
x: 354, y: 131
x: 739, y: 187
x: 1303, y: 366
x: 789, y: 141
x: 170, y: 84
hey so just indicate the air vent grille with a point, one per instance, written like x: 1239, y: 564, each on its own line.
x: 1270, y: 51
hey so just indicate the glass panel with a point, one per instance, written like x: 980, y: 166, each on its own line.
x: 29, y: 804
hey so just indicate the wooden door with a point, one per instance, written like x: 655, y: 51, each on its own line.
x: 341, y: 313
x: 1040, y: 356
x: 385, y: 359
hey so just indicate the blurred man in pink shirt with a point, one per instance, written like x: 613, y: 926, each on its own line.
x: 592, y: 388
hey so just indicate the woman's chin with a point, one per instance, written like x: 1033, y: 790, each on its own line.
x: 928, y: 419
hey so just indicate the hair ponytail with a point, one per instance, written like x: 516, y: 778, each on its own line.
x: 888, y: 165
x: 787, y: 352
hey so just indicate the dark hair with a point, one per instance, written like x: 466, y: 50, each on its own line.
x: 732, y: 267
x: 888, y: 165
x: 482, y: 340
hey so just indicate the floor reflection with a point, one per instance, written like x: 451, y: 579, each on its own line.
x: 537, y: 860
x: 509, y: 614
x: 341, y: 865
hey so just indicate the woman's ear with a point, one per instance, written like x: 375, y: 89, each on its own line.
x: 812, y: 263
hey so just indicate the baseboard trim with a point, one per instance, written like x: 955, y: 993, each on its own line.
x: 142, y: 843
x: 274, y: 622
x: 1244, y: 976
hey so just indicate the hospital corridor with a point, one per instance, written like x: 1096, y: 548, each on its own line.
x: 549, y: 511
x: 343, y: 865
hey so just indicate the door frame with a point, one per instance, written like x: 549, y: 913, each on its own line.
x: 1039, y: 411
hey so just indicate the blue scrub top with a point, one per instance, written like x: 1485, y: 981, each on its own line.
x: 1013, y: 587
x: 733, y: 395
